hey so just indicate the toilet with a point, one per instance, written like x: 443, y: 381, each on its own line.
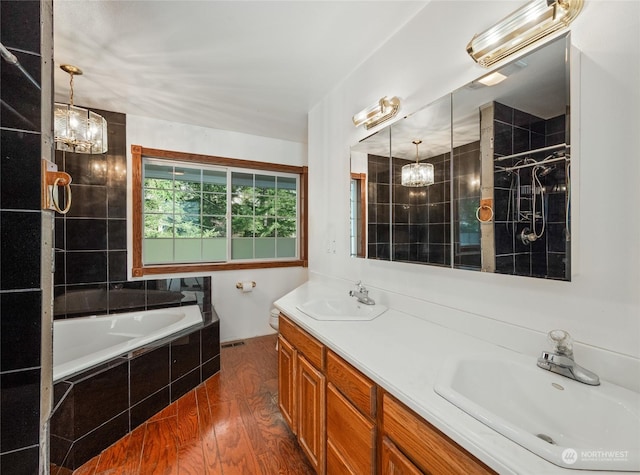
x: 273, y: 321
x: 273, y: 318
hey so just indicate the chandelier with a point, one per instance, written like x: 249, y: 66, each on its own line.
x: 77, y: 129
x: 417, y: 174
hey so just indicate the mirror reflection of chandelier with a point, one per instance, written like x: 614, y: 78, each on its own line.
x: 417, y: 174
x: 77, y: 129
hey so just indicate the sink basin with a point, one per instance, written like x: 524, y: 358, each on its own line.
x: 345, y: 308
x: 568, y: 423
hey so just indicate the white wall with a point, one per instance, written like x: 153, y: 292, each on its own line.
x: 242, y: 315
x: 427, y: 59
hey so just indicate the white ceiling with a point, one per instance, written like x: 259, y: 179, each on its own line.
x: 249, y: 66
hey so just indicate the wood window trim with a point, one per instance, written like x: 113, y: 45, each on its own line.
x: 362, y: 178
x: 140, y: 270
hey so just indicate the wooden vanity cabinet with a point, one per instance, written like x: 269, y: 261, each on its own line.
x: 301, y: 389
x: 394, y: 462
x: 347, y: 425
x: 413, y: 443
x: 351, y: 424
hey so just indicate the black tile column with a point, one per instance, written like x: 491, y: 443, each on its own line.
x: 20, y: 232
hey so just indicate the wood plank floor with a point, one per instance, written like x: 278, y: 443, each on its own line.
x: 228, y: 425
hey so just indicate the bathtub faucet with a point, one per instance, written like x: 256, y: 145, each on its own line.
x: 362, y: 294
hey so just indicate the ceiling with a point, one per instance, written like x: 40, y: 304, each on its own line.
x: 255, y: 67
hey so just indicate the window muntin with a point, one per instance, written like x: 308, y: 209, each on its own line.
x: 186, y: 207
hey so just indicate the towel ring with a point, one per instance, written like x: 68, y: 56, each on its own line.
x: 490, y: 214
x: 54, y: 199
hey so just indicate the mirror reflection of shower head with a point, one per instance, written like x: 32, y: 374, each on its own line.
x: 544, y: 170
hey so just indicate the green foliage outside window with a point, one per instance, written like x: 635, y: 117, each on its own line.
x: 185, y: 213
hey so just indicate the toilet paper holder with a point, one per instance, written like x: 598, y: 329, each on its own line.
x: 239, y: 284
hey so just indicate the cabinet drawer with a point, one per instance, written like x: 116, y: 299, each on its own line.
x: 356, y: 387
x: 351, y: 435
x: 432, y: 451
x: 311, y: 348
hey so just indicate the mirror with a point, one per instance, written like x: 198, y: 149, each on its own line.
x: 500, y: 197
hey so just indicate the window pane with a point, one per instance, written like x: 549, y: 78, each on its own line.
x: 265, y: 248
x: 265, y: 185
x: 214, y: 249
x: 242, y: 205
x: 287, y: 183
x: 286, y: 247
x: 187, y: 226
x: 287, y: 228
x: 242, y: 226
x: 158, y: 201
x: 214, y: 181
x: 187, y: 179
x: 187, y: 202
x: 214, y: 226
x: 188, y: 250
x: 242, y: 183
x: 157, y: 251
x: 265, y: 227
x: 265, y: 206
x: 158, y: 176
x: 214, y: 204
x: 286, y: 203
x: 241, y: 248
x: 158, y: 226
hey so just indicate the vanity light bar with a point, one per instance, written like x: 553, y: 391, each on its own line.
x: 525, y: 26
x: 386, y: 108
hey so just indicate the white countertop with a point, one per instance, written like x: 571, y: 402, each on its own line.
x: 403, y: 355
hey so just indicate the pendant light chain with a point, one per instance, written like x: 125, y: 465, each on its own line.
x: 71, y: 87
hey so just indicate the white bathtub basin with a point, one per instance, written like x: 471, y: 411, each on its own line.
x: 568, y: 423
x: 340, y: 308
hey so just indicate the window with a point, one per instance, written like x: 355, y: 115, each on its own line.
x: 358, y: 219
x: 197, y: 212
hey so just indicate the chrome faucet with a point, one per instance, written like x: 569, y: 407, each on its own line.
x: 362, y: 294
x: 561, y: 361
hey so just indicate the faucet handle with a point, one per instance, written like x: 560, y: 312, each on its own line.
x: 562, y: 342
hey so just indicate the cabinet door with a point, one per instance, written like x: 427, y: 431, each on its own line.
x: 394, y: 462
x: 286, y: 380
x: 350, y: 433
x: 311, y: 412
x: 430, y: 450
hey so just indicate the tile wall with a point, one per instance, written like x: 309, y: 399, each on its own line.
x: 378, y: 208
x: 99, y: 406
x: 514, y: 132
x: 91, y: 240
x: 20, y: 235
x: 422, y: 216
x: 466, y: 199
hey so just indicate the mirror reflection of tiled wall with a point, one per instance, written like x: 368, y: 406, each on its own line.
x: 516, y: 131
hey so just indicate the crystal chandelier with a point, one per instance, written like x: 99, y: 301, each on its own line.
x: 77, y: 129
x: 417, y: 174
